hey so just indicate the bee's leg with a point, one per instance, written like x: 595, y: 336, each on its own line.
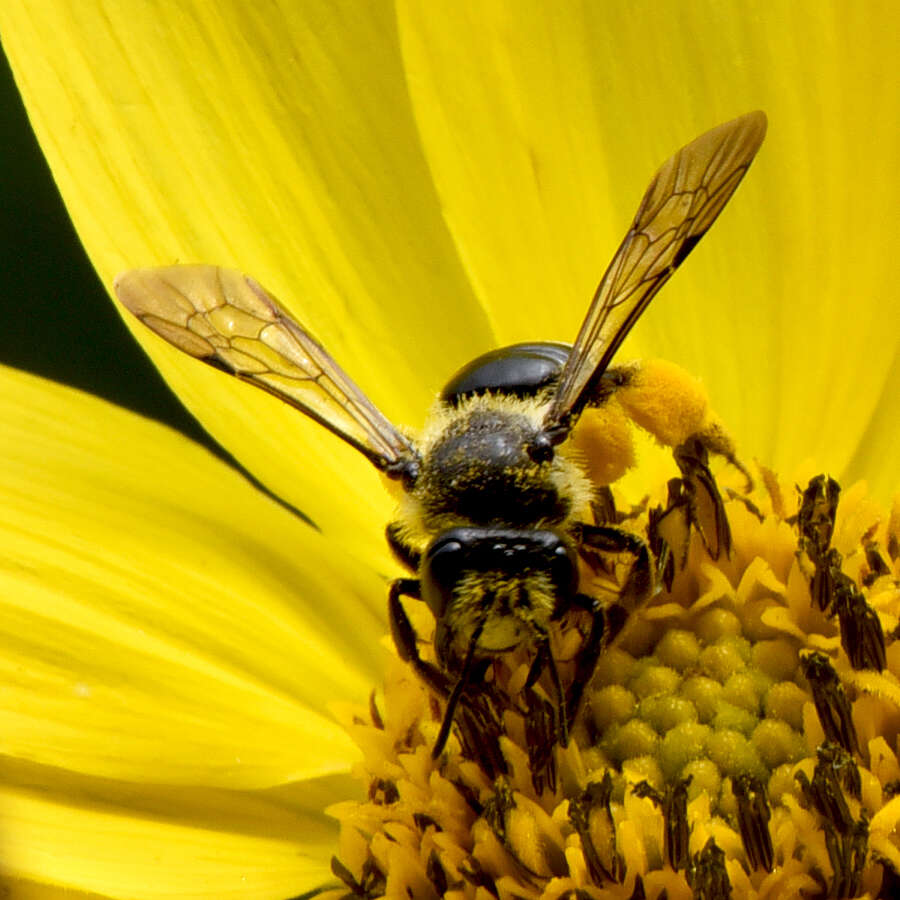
x: 471, y: 670
x: 640, y: 582
x: 544, y: 657
x: 586, y: 660
x: 405, y: 636
x: 405, y: 554
x: 669, y: 534
x: 694, y: 502
x: 604, y: 506
x: 715, y: 439
x: 706, y: 510
x: 465, y: 676
x: 669, y: 403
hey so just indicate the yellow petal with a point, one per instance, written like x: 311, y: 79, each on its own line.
x: 275, y: 140
x: 555, y: 116
x: 26, y: 889
x: 202, y: 133
x: 86, y: 845
x: 161, y: 620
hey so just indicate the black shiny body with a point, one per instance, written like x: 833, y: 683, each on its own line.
x: 520, y: 370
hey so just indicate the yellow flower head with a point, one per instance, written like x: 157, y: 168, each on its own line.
x: 740, y: 738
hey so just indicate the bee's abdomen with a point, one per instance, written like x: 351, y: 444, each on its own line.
x: 520, y: 370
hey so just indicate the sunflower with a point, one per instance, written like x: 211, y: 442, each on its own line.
x: 188, y: 666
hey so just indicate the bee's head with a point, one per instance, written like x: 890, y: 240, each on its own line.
x: 504, y: 578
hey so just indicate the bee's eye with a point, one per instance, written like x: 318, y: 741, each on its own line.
x: 564, y: 570
x: 440, y: 572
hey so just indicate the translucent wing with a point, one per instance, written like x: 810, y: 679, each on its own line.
x: 683, y: 200
x: 229, y: 321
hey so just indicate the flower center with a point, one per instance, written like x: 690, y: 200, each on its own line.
x: 739, y: 734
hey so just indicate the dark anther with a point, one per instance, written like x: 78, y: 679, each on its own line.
x: 832, y: 705
x: 496, y: 808
x: 639, y: 892
x: 423, y: 821
x: 594, y: 800
x: 371, y: 883
x: 825, y: 796
x: 436, y: 874
x: 846, y: 838
x: 470, y: 795
x: 862, y: 636
x: 877, y: 565
x: 822, y: 585
x: 383, y: 792
x: 646, y: 791
x: 844, y: 767
x: 847, y: 854
x: 497, y: 811
x: 471, y: 870
x: 673, y: 803
x: 892, y: 788
x: 753, y: 815
x: 374, y: 713
x: 707, y: 510
x: 890, y: 881
x: 815, y: 523
x: 339, y: 870
x: 669, y: 532
x: 859, y: 852
x: 677, y: 829
x: 706, y: 874
x: 815, y: 520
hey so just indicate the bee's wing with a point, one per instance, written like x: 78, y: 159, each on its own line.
x: 229, y: 321
x: 683, y: 200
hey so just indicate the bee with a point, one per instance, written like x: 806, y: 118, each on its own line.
x: 504, y: 503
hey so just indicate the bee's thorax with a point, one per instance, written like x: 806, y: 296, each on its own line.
x: 481, y: 469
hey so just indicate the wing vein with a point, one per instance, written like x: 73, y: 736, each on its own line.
x: 229, y: 321
x: 683, y: 200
